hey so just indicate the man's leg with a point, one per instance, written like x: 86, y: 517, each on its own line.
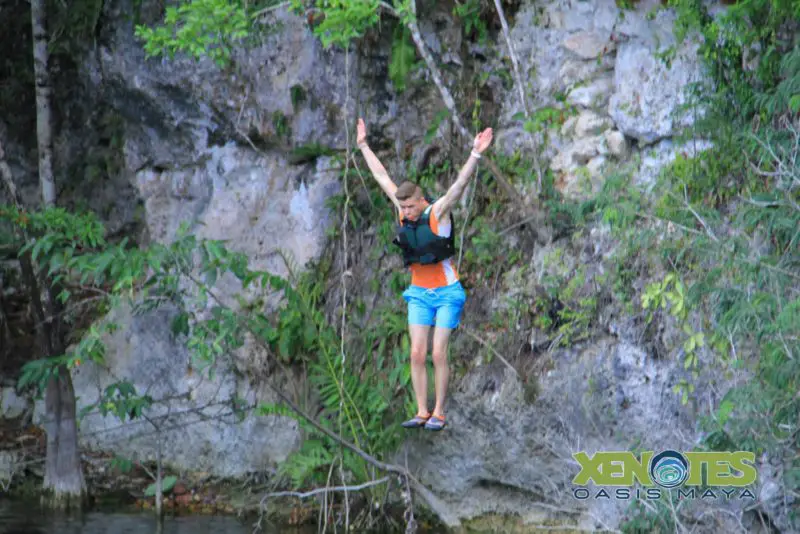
x: 450, y: 303
x: 421, y: 317
x: 419, y: 374
x: 441, y: 371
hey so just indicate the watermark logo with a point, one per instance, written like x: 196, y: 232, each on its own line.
x: 689, y: 474
x: 669, y: 469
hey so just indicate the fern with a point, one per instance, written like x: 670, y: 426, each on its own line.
x: 785, y: 97
x: 404, y: 57
x: 306, y: 462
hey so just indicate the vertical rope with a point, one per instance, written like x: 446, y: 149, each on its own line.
x: 345, y: 271
x: 466, y: 220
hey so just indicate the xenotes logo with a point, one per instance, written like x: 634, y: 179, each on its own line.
x: 705, y: 475
x: 669, y: 469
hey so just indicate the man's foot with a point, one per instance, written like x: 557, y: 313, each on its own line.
x: 435, y: 422
x: 417, y: 421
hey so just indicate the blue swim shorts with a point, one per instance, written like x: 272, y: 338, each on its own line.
x: 441, y: 306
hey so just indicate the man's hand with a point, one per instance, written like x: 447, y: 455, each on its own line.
x: 482, y: 141
x: 378, y: 171
x: 361, y: 136
x: 445, y: 204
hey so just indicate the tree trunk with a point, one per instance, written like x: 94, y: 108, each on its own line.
x: 44, y: 123
x: 64, y: 486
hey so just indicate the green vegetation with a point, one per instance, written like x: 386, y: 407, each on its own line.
x: 342, y: 20
x: 358, y: 395
x: 471, y: 14
x: 200, y: 28
x: 404, y: 58
x: 727, y: 230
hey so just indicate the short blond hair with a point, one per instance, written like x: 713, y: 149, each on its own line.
x: 407, y: 190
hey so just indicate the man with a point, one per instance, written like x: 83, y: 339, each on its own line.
x: 435, y: 296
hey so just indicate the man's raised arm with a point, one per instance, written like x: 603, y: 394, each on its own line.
x: 445, y: 204
x: 375, y: 166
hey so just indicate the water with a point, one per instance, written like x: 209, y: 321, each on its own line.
x: 20, y: 517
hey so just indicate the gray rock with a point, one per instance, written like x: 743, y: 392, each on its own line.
x: 198, y: 430
x: 11, y: 404
x: 268, y: 207
x: 442, y: 34
x: 585, y: 149
x: 575, y: 71
x: 768, y: 491
x: 9, y: 467
x: 658, y: 156
x: 577, y: 153
x: 595, y: 165
x: 577, y: 16
x: 589, y: 45
x: 538, y: 44
x: 773, y: 495
x: 562, y: 161
x: 617, y: 144
x: 590, y: 124
x: 594, y: 95
x: 647, y: 94
x: 568, y: 128
x: 503, y: 455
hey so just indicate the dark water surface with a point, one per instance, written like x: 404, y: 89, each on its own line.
x: 20, y: 517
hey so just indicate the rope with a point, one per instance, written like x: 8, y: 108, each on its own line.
x: 345, y: 272
x: 466, y: 219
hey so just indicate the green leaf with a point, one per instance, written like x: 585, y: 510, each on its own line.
x: 180, y: 324
x: 167, y: 483
x: 284, y: 345
x: 123, y: 464
x: 724, y: 411
x: 309, y: 335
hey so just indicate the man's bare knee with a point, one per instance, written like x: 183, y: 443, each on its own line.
x: 418, y: 355
x: 439, y: 357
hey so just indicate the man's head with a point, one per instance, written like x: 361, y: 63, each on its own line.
x: 412, y: 201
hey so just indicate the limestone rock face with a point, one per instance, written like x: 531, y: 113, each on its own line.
x: 198, y: 429
x: 590, y: 123
x: 617, y: 144
x: 12, y: 405
x: 648, y: 94
x: 589, y: 45
x: 216, y: 150
x: 502, y: 455
x: 611, y: 67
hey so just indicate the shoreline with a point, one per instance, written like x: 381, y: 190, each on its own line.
x: 111, y: 489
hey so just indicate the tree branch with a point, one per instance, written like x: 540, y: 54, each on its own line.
x: 435, y: 74
x: 330, y: 489
x: 270, y: 9
x: 483, y: 342
x: 520, y: 87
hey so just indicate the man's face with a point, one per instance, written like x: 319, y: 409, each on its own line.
x: 413, y: 207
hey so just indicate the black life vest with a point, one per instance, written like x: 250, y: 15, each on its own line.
x: 419, y: 244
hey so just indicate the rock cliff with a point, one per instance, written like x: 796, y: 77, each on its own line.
x: 218, y: 149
